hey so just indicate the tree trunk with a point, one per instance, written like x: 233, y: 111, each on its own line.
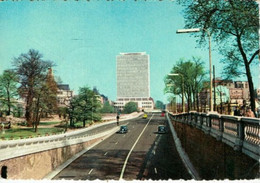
x: 198, y: 107
x: 8, y: 103
x: 84, y: 123
x: 28, y: 109
x: 248, y: 74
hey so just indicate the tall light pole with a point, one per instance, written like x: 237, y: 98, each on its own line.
x: 210, y: 71
x: 182, y: 83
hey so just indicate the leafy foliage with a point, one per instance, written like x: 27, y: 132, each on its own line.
x: 159, y: 104
x: 84, y: 107
x: 234, y: 26
x: 130, y: 107
x: 32, y: 73
x: 8, y: 90
x: 107, y: 108
x: 191, y: 75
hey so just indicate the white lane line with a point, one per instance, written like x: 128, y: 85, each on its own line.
x: 123, y: 169
x: 124, y: 136
x: 105, y: 154
x: 116, y: 142
x: 155, y: 170
x: 90, y: 171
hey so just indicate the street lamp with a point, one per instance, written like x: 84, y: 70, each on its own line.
x: 210, y: 72
x: 182, y: 79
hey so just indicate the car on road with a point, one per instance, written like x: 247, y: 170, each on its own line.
x: 161, y: 129
x: 123, y: 129
x: 144, y: 116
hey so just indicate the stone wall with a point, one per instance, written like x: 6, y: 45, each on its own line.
x: 38, y: 165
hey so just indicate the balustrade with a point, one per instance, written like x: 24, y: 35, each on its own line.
x: 241, y: 133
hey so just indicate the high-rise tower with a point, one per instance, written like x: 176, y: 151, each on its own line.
x: 133, y: 80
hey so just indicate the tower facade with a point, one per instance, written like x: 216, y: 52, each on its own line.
x: 133, y: 80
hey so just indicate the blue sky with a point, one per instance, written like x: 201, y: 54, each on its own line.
x: 83, y: 38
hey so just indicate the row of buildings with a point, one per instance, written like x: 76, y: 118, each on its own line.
x: 226, y: 94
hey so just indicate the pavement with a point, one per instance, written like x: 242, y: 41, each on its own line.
x: 140, y: 154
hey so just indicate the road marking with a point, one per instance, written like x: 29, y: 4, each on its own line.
x: 90, y: 171
x: 116, y: 142
x: 105, y: 154
x: 155, y: 170
x: 123, y: 169
x: 124, y: 136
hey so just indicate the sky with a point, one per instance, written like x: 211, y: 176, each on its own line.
x: 83, y: 39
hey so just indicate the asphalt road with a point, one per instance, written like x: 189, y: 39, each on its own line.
x: 139, y: 154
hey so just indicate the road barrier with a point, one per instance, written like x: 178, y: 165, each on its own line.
x: 241, y: 133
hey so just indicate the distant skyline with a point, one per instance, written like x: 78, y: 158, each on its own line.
x: 83, y: 39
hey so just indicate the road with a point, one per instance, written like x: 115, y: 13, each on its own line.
x: 139, y: 154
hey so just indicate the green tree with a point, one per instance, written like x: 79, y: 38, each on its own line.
x: 32, y: 71
x: 159, y: 104
x: 45, y: 99
x: 234, y: 27
x: 192, y: 73
x: 130, y: 107
x: 84, y: 107
x: 107, y: 108
x: 8, y: 90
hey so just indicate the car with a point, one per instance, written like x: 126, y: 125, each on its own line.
x: 123, y: 129
x: 161, y: 129
x: 144, y: 116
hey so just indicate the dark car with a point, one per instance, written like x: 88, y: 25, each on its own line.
x: 123, y: 129
x: 161, y: 129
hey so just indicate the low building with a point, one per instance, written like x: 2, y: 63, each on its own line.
x: 142, y: 103
x: 64, y: 95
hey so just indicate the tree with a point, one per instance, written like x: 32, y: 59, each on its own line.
x: 107, y: 108
x: 192, y: 72
x: 45, y: 98
x: 32, y: 71
x: 84, y: 107
x: 159, y: 104
x: 234, y: 27
x: 130, y: 107
x: 8, y: 90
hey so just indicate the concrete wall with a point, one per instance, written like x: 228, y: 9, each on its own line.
x: 37, y: 165
x: 35, y: 158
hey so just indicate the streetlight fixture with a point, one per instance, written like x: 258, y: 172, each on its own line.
x: 182, y: 79
x: 210, y: 71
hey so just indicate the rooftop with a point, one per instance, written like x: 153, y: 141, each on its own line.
x: 64, y: 87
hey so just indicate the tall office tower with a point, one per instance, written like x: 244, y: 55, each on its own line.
x: 133, y: 80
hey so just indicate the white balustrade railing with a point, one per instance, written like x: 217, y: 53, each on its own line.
x: 242, y: 133
x: 14, y: 148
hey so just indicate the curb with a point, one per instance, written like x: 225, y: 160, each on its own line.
x: 184, y: 157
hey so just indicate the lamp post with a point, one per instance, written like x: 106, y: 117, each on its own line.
x: 182, y: 83
x: 179, y: 31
